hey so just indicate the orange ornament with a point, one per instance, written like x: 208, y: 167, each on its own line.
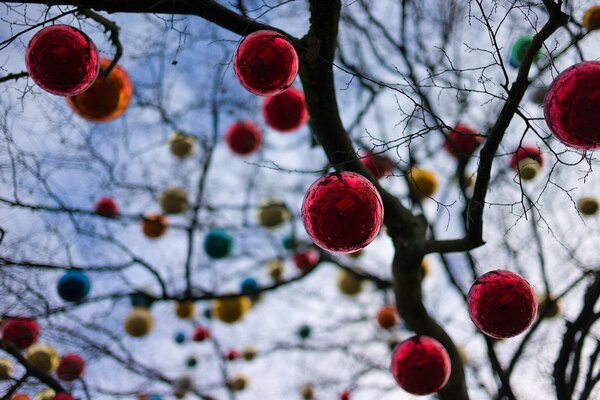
x: 19, y: 396
x: 387, y: 317
x: 154, y: 225
x: 106, y: 99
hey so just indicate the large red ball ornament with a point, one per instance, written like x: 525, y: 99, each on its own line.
x: 70, y: 367
x: 421, y: 365
x: 62, y: 60
x: 502, y: 304
x: 286, y: 111
x: 342, y: 212
x: 107, y: 207
x: 265, y: 63
x: 378, y: 166
x: 572, y: 106
x: 462, y: 141
x: 22, y: 332
x: 243, y: 137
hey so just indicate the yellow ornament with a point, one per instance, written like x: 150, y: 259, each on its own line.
x: 185, y: 309
x: 173, y: 200
x: 6, y: 368
x: 249, y: 353
x: 180, y: 394
x: 181, y: 145
x: 424, y: 268
x: 528, y: 168
x: 272, y: 213
x: 552, y: 304
x: 307, y: 392
x: 462, y: 354
x: 349, y: 283
x: 356, y: 254
x: 139, y: 322
x: 275, y: 268
x: 43, y: 357
x: 232, y: 309
x: 591, y: 18
x: 238, y: 382
x: 587, y: 205
x: 423, y: 182
x: 46, y: 394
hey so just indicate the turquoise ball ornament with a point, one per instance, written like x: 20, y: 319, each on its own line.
x: 180, y: 337
x: 304, y: 332
x: 141, y: 299
x: 519, y: 50
x: 73, y: 286
x: 218, y: 243
x: 249, y: 286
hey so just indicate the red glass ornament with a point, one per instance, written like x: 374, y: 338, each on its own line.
x: 420, y: 365
x: 462, y: 141
x: 231, y: 355
x: 306, y: 259
x: 387, y: 317
x: 572, y: 106
x: 62, y: 60
x: 265, y: 63
x: 107, y: 207
x: 524, y: 152
x: 71, y: 367
x: 377, y: 165
x: 345, y: 395
x: 201, y: 333
x: 243, y: 137
x: 286, y: 111
x: 106, y: 99
x: 342, y: 212
x: 502, y: 304
x: 22, y: 332
x: 63, y: 396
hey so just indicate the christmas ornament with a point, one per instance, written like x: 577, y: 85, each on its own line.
x: 423, y: 182
x: 138, y: 322
x: 307, y: 392
x: 22, y: 332
x: 249, y: 286
x: 71, y: 367
x: 107, y: 99
x: 249, y: 353
x: 304, y: 332
x: 349, y: 283
x: 43, y: 357
x: 342, y: 212
x: 289, y: 242
x: 519, y: 50
x: 285, y: 112
x: 46, y: 394
x: 181, y: 145
x: 19, y: 396
x: 345, y: 395
x: 462, y: 141
x: 231, y: 309
x: 538, y: 94
x: 306, y: 259
x: 387, y: 317
x: 218, y: 243
x: 527, y: 161
x: 184, y: 384
x: 420, y: 365
x: 6, y: 368
x: 243, y: 137
x: 201, y: 333
x: 587, y: 205
x: 272, y: 213
x: 74, y: 285
x: 62, y: 60
x: 63, y: 396
x: 180, y: 337
x: 275, y: 269
x: 265, y: 63
x: 154, y: 225
x: 141, y: 298
x: 548, y: 307
x: 231, y: 355
x: 191, y: 362
x: 501, y: 304
x: 356, y: 254
x: 173, y: 200
x: 379, y: 166
x: 238, y: 382
x: 591, y: 18
x: 185, y: 309
x: 107, y: 207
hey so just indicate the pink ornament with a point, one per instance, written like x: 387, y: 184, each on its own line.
x: 502, y: 304
x: 243, y: 137
x: 306, y: 259
x: 62, y: 60
x: 420, y: 365
x: 342, y: 212
x: 22, y: 332
x: 572, y: 106
x: 107, y: 207
x: 377, y: 165
x: 265, y: 63
x: 71, y: 367
x: 462, y: 141
x: 286, y: 111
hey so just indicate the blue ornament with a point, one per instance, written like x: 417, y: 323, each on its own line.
x: 141, y: 299
x: 73, y: 286
x: 249, y: 286
x: 180, y: 337
x: 153, y: 397
x: 218, y: 243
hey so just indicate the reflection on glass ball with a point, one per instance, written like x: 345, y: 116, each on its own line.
x: 265, y: 63
x: 502, y: 304
x: 285, y: 112
x: 243, y: 137
x: 62, y: 60
x: 342, y: 212
x: 107, y: 99
x: 572, y: 106
x: 462, y: 141
x: 379, y: 166
x: 421, y: 365
x: 43, y: 357
x: 22, y: 332
x: 591, y: 18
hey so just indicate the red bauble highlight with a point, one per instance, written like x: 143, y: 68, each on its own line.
x: 200, y: 334
x: 107, y: 207
x: 462, y: 141
x: 502, y: 304
x: 62, y: 60
x: 71, y: 367
x: 572, y: 106
x: 420, y: 365
x: 377, y: 165
x: 342, y: 212
x: 243, y: 137
x: 525, y: 152
x: 306, y: 259
x: 286, y: 111
x: 22, y: 332
x: 265, y: 63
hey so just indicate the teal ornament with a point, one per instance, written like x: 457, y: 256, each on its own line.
x: 74, y: 285
x: 218, y: 243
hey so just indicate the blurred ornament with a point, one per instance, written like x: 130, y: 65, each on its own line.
x: 6, y: 368
x: 387, y: 317
x: 181, y: 145
x: 107, y: 207
x: 571, y: 109
x: 231, y: 355
x: 22, y: 332
x: 462, y: 141
x: 249, y: 287
x: 538, y: 94
x: 173, y: 200
x: 43, y: 357
x: 379, y: 166
x: 139, y: 322
x: 185, y: 309
x: 304, y: 332
x: 154, y: 225
x: 275, y: 269
x: 272, y: 213
x: 191, y: 362
x: 306, y: 259
x: 46, y: 394
x: 218, y: 243
x: 266, y: 63
x: 345, y: 395
x: 527, y: 161
x: 62, y: 60
x: 423, y: 182
x: 285, y: 112
x: 231, y: 309
x: 145, y: 396
x: 462, y: 354
x: 519, y: 50
x: 107, y: 99
x: 587, y: 205
x: 19, y: 396
x: 356, y: 254
x: 238, y: 382
x: 289, y: 242
x: 349, y: 283
x: 342, y: 212
x: 548, y: 306
x: 420, y: 365
x: 243, y: 137
x: 71, y: 367
x: 591, y: 18
x: 201, y: 333
x: 180, y: 338
x: 424, y: 268
x: 141, y: 298
x: 63, y: 396
x: 307, y: 392
x: 502, y: 304
x: 184, y: 384
x: 74, y: 286
x: 249, y: 353
x: 179, y: 394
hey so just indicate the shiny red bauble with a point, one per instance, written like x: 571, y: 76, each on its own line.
x: 462, y: 141
x: 243, y: 137
x: 502, y: 304
x: 572, y: 106
x: 201, y: 333
x: 377, y: 165
x: 286, y: 111
x: 265, y: 63
x: 525, y: 152
x: 22, y: 332
x: 342, y: 212
x: 63, y: 396
x: 231, y: 355
x: 71, y: 367
x: 420, y: 365
x: 306, y: 259
x: 107, y: 207
x: 62, y: 60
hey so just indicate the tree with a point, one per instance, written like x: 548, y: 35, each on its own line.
x: 396, y: 80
